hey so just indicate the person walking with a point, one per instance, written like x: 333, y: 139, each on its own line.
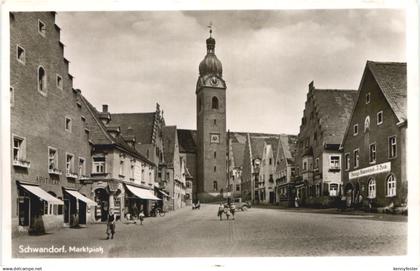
x: 110, y: 227
x: 226, y: 211
x: 232, y: 210
x: 141, y: 216
x: 220, y: 211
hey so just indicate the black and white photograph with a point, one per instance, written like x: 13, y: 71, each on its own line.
x: 233, y: 134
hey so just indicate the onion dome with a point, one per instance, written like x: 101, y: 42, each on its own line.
x: 210, y: 64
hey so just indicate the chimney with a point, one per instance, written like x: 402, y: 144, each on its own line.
x: 104, y: 108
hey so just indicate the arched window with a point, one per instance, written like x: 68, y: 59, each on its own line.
x: 367, y: 123
x: 391, y: 186
x: 215, y: 186
x: 42, y: 79
x: 372, y: 188
x: 214, y: 103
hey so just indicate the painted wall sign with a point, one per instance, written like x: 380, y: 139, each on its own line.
x: 376, y: 169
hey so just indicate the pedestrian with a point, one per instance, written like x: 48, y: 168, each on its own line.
x: 110, y: 227
x: 296, y: 202
x: 220, y: 211
x: 135, y: 211
x: 226, y: 211
x: 232, y: 210
x: 198, y: 205
x: 141, y: 216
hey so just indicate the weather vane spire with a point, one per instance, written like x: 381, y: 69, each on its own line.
x: 210, y: 26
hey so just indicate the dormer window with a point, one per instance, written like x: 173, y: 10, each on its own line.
x: 42, y: 28
x: 368, y: 98
x: 367, y: 123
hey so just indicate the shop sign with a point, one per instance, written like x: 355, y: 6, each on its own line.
x: 376, y: 169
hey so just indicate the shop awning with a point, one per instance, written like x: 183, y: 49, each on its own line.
x: 42, y: 194
x: 163, y: 193
x: 79, y: 196
x: 142, y: 193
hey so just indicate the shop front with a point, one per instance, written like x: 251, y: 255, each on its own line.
x: 38, y: 211
x: 107, y: 194
x: 78, y: 209
x: 137, y: 198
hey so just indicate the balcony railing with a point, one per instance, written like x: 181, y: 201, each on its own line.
x: 54, y: 171
x: 21, y: 163
x: 71, y: 175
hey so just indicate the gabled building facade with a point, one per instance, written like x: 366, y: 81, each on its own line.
x: 374, y: 145
x: 318, y: 158
x: 285, y: 170
x: 51, y: 151
x: 121, y: 178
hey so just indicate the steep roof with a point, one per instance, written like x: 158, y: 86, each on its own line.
x: 274, y: 142
x: 334, y: 108
x: 392, y: 79
x: 257, y: 147
x: 238, y: 150
x: 169, y: 136
x: 99, y: 135
x: 187, y: 140
x: 141, y: 123
x: 288, y: 143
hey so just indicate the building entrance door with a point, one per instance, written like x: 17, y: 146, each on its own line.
x: 66, y: 211
x: 24, y: 210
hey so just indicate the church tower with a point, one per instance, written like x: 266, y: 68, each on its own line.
x: 211, y: 126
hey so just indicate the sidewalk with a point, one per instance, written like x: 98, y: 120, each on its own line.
x: 352, y: 212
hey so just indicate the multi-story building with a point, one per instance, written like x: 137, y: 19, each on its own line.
x: 318, y: 158
x: 147, y: 129
x: 51, y: 152
x: 267, y: 170
x: 121, y: 178
x: 236, y: 153
x: 374, y: 144
x: 285, y: 170
x: 175, y: 168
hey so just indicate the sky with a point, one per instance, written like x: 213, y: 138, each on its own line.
x: 133, y: 60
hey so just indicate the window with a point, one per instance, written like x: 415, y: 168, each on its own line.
x: 82, y: 166
x: 132, y: 167
x: 347, y: 160
x: 98, y: 165
x: 270, y: 162
x: 372, y: 153
x: 214, y: 169
x: 379, y: 118
x: 20, y: 54
x: 214, y: 122
x: 355, y: 129
x: 69, y: 163
x: 392, y: 146
x: 214, y: 155
x: 356, y: 158
x: 367, y: 97
x: 52, y: 159
x: 333, y: 190
x: 42, y: 29
x: 391, y: 186
x: 335, y: 162
x: 371, y: 188
x: 304, y: 166
x: 121, y: 168
x: 12, y: 96
x: 214, y: 103
x: 316, y: 163
x: 59, y: 81
x: 42, y: 80
x: 215, y: 186
x: 68, y: 124
x: 238, y: 187
x: 18, y: 148
x: 367, y: 123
